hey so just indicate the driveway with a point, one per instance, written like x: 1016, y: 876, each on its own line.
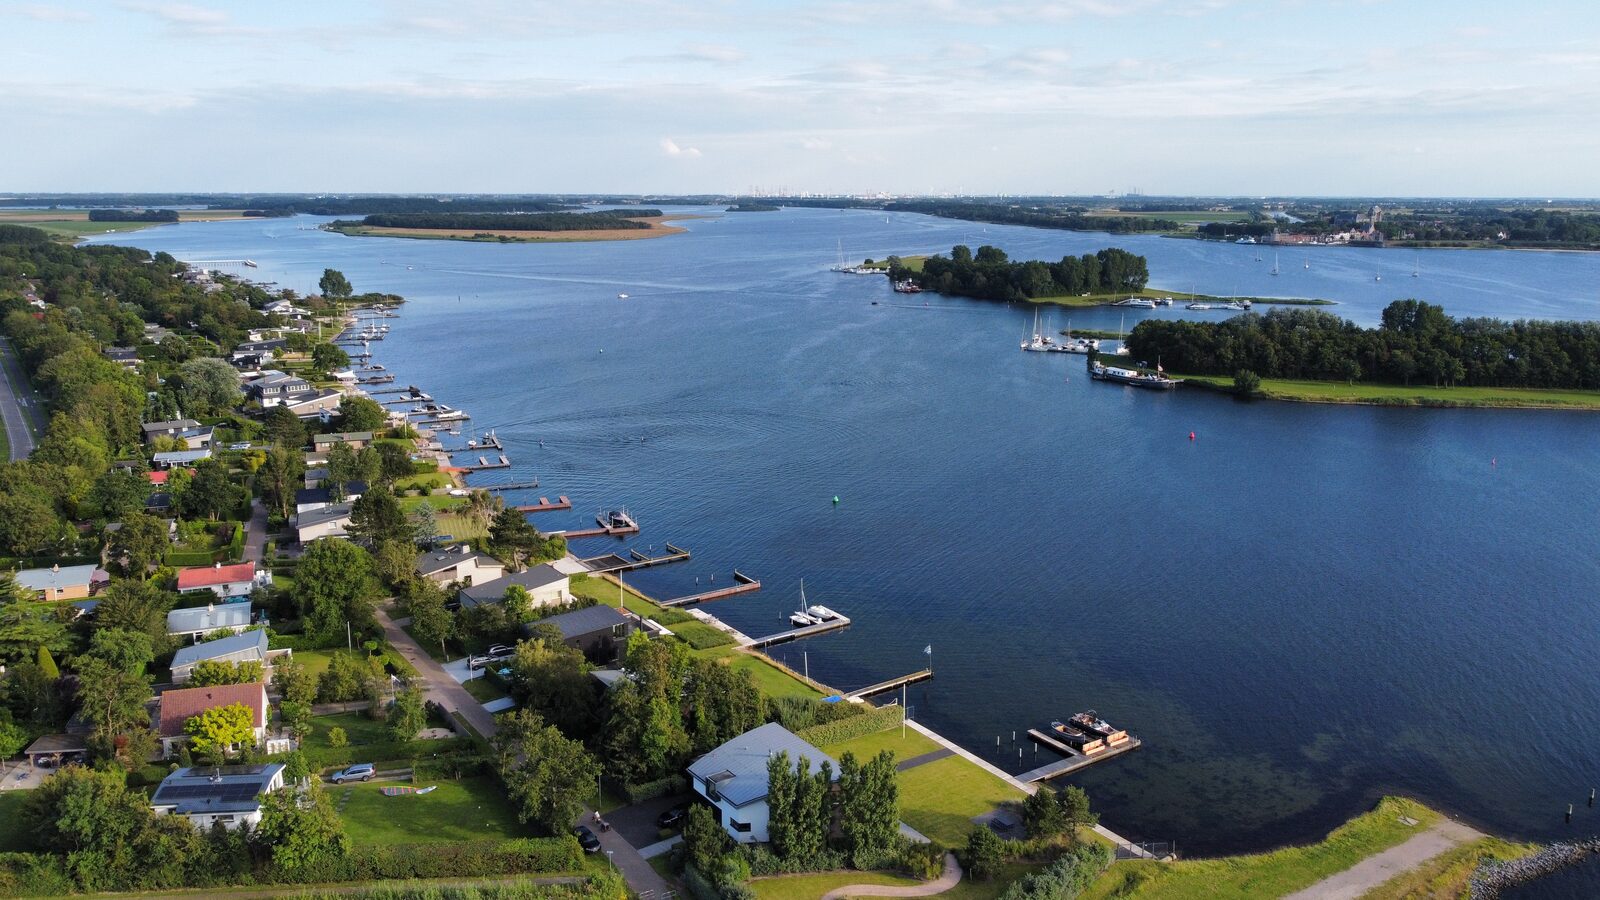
x: 19, y: 405
x: 637, y: 823
x: 442, y: 689
x: 255, y: 534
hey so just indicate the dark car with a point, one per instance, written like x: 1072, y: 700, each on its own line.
x: 586, y: 839
x: 673, y: 818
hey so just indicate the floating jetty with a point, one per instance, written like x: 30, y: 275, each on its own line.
x: 502, y: 462
x: 609, y: 527
x: 804, y: 631
x: 1074, y: 760
x: 891, y: 684
x: 544, y: 505
x: 376, y: 379
x: 743, y: 584
x: 509, y: 485
x: 616, y: 562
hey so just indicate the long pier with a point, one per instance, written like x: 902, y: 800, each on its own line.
x: 544, y: 505
x: 1075, y: 759
x: 408, y: 389
x: 616, y: 562
x: 891, y: 684
x: 453, y: 420
x: 804, y: 631
x: 743, y: 584
x: 510, y: 485
x: 483, y: 464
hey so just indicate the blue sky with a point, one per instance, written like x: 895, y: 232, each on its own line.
x: 936, y: 96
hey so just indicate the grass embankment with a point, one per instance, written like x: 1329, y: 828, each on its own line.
x: 1416, y: 395
x: 914, y: 263
x: 72, y: 224
x: 658, y: 228
x: 1178, y: 298
x: 1271, y: 874
x: 471, y: 809
x: 1448, y: 874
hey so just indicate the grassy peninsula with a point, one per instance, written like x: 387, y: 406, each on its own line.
x: 1401, y: 395
x: 71, y: 224
x: 606, y: 225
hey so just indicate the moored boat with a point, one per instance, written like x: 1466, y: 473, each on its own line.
x: 1092, y: 723
x: 1156, y: 380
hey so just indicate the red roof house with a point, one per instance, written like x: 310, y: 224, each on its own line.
x: 179, y: 706
x: 225, y: 581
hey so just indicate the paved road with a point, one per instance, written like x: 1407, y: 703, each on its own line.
x: 641, y: 877
x: 442, y: 689
x: 1375, y: 870
x: 22, y: 422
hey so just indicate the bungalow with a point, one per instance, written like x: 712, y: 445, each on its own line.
x: 174, y: 458
x: 330, y: 521
x: 312, y: 499
x: 314, y: 404
x: 249, y: 646
x: 284, y: 308
x: 227, y: 582
x: 180, y: 705
x: 169, y: 428
x: 356, y: 440
x: 207, y: 796
x: 195, y: 621
x: 599, y: 631
x: 734, y: 777
x: 461, y: 564
x: 315, y: 475
x: 547, y: 584
x: 57, y: 583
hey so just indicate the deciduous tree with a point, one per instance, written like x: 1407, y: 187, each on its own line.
x: 216, y: 732
x: 546, y: 775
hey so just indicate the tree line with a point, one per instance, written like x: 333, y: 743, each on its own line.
x: 990, y: 274
x: 607, y: 219
x: 1416, y: 341
x: 1067, y: 218
x: 130, y: 215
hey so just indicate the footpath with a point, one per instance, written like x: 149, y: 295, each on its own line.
x: 1375, y: 870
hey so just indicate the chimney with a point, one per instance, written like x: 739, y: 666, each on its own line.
x: 56, y: 567
x: 217, y: 566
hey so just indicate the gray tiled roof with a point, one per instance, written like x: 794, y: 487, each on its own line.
x: 208, y: 790
x: 585, y: 621
x: 219, y: 648
x: 738, y: 769
x: 494, y: 591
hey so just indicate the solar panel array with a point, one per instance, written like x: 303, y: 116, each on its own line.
x: 222, y: 793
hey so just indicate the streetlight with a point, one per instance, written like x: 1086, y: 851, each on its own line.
x: 611, y: 861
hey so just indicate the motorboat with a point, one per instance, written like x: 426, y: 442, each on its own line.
x: 821, y: 613
x: 1198, y: 306
x: 1156, y: 380
x: 802, y: 619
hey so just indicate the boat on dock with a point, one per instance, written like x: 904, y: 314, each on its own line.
x: 1077, y: 737
x: 617, y: 520
x: 1198, y: 305
x: 1091, y: 722
x: 1137, y: 303
x: 907, y: 286
x: 1078, y: 345
x: 1156, y: 380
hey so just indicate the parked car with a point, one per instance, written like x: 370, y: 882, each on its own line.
x: 673, y: 818
x: 357, y: 772
x: 501, y: 651
x: 241, y: 445
x: 586, y: 839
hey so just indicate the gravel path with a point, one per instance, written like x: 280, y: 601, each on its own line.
x: 950, y: 878
x: 1375, y: 870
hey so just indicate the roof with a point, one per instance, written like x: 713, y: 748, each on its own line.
x: 584, y: 621
x: 438, y: 560
x: 208, y: 618
x: 207, y: 576
x: 352, y: 490
x: 494, y: 591
x: 158, y: 501
x: 169, y: 425
x: 738, y: 769
x: 181, y: 705
x: 59, y: 743
x: 342, y: 437
x: 237, y: 643
x: 56, y: 578
x: 216, y: 789
x: 324, y: 515
x: 178, y: 457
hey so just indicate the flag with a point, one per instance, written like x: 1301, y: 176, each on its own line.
x: 928, y: 649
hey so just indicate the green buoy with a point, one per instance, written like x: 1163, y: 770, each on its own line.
x: 836, y: 500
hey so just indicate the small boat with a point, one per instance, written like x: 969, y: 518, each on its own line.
x: 1377, y: 278
x: 1198, y: 306
x: 1275, y: 270
x: 1156, y: 380
x: 1235, y: 305
x: 1142, y: 304
x: 1084, y: 741
x: 907, y: 286
x: 622, y: 296
x: 821, y: 613
x: 1247, y: 239
x: 802, y: 619
x: 251, y: 263
x: 1091, y: 722
x: 616, y: 518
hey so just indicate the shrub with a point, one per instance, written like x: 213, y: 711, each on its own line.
x: 34, y: 875
x: 799, y: 713
x: 884, y: 717
x: 649, y: 790
x: 337, y: 737
x: 1066, y: 877
x: 1246, y: 383
x: 445, y: 860
x: 984, y: 854
x: 924, y: 861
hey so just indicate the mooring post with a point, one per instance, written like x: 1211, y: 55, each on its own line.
x: 1569, y: 813
x: 1591, y: 797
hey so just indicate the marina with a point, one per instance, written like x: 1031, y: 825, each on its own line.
x: 804, y: 631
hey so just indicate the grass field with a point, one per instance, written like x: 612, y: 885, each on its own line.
x: 460, y: 526
x: 1183, y: 216
x: 658, y: 228
x: 439, y: 502
x: 472, y: 809
x: 482, y: 690
x: 869, y: 745
x: 914, y: 263
x: 15, y: 836
x: 426, y: 481
x: 75, y: 223
x: 810, y: 887
x: 941, y: 798
x: 1268, y: 874
x: 357, y: 727
x: 1416, y: 395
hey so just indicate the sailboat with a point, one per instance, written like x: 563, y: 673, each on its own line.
x: 1079, y: 345
x: 1122, y: 335
x: 1308, y: 263
x: 1037, y: 342
x: 1275, y: 264
x: 1416, y: 269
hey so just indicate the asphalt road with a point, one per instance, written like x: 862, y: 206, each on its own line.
x: 21, y: 415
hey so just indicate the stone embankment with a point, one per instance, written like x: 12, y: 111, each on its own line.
x: 1490, y: 880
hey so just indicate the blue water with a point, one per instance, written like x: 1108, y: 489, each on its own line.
x: 1301, y: 610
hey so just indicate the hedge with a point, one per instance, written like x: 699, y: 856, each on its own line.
x: 236, y: 545
x: 453, y: 766
x: 33, y: 875
x: 456, y: 859
x: 319, y: 758
x: 880, y: 719
x: 190, y: 557
x: 701, y: 636
x: 649, y: 790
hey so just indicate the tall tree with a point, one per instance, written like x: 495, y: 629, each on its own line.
x: 430, y: 621
x: 280, y: 477
x: 209, y: 387
x: 377, y: 517
x: 26, y: 628
x: 218, y: 731
x: 113, y: 700
x: 329, y: 357
x: 210, y: 493
x: 141, y: 542
x: 361, y: 414
x: 140, y: 606
x: 547, y: 776
x: 95, y: 821
x: 869, y: 803
x: 119, y: 492
x: 406, y: 716
x: 334, y: 284
x: 300, y: 827
x: 553, y: 680
x: 332, y: 586
x: 343, y: 468
x: 285, y: 428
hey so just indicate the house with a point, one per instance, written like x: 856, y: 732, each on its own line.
x: 329, y: 521
x: 734, y: 777
x: 315, y: 404
x: 459, y: 564
x: 169, y: 428
x: 315, y: 475
x: 174, y: 458
x: 195, y: 621
x: 312, y: 499
x: 180, y: 705
x: 227, y: 582
x: 275, y: 387
x: 196, y: 438
x: 599, y: 631
x: 155, y: 334
x: 248, y: 646
x: 226, y: 795
x: 126, y: 357
x: 159, y: 502
x: 58, y: 583
x: 547, y: 584
x: 284, y: 308
x: 355, y: 440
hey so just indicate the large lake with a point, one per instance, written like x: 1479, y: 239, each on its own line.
x: 1302, y: 609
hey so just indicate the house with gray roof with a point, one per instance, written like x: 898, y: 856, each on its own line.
x: 202, y: 620
x: 600, y: 631
x: 459, y: 563
x: 734, y: 777
x: 248, y: 646
x: 217, y: 795
x: 547, y: 585
x: 62, y: 582
x: 329, y: 521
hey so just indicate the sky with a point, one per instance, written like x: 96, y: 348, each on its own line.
x: 1198, y: 97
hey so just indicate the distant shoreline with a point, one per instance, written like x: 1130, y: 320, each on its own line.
x: 658, y: 228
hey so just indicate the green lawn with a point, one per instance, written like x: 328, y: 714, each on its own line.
x: 810, y: 887
x: 316, y: 661
x: 1416, y: 395
x: 870, y: 745
x: 358, y: 729
x: 941, y: 798
x: 1178, y: 297
x: 1268, y: 874
x: 472, y: 809
x: 439, y: 502
x: 460, y: 526
x: 15, y: 834
x: 427, y: 481
x: 482, y: 690
x: 914, y: 263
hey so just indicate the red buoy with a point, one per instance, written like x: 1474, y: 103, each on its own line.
x: 1191, y: 435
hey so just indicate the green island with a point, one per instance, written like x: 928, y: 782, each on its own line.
x: 536, y: 227
x: 750, y: 206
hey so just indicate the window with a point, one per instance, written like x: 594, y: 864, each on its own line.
x: 743, y: 827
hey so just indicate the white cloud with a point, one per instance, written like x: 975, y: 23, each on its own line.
x: 40, y: 13
x: 670, y: 147
x: 816, y: 144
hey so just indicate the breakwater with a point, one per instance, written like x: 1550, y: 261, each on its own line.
x: 1490, y: 880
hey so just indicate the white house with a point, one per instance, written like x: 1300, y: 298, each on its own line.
x: 230, y: 795
x: 179, y: 458
x: 547, y: 585
x: 227, y: 582
x: 734, y: 777
x: 249, y: 646
x: 329, y: 521
x: 202, y: 620
x: 179, y: 705
x: 461, y: 564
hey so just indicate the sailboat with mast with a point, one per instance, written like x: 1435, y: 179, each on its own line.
x: 1079, y: 345
x: 1038, y: 341
x: 1275, y: 270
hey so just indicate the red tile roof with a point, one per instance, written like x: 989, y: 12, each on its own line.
x: 206, y: 576
x: 179, y: 706
x: 159, y: 477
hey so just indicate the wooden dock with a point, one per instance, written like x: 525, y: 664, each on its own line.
x: 544, y: 505
x: 457, y: 420
x: 510, y: 485
x: 483, y: 464
x: 1075, y: 759
x: 743, y: 584
x: 375, y: 379
x: 615, y: 562
x: 804, y: 631
x: 890, y: 685
x: 601, y: 531
x: 408, y: 389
